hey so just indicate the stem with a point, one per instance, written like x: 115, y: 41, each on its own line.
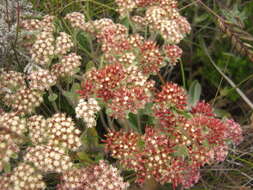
x: 53, y: 103
x: 182, y: 73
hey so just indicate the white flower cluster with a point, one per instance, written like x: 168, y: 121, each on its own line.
x: 87, y: 110
x: 13, y: 122
x: 76, y: 19
x: 11, y: 81
x: 128, y: 58
x: 5, y: 182
x: 48, y: 159
x: 67, y: 66
x: 41, y: 79
x: 63, y: 43
x: 24, y: 101
x: 43, y: 48
x: 63, y: 133
x: 25, y: 177
x: 38, y: 129
x: 135, y: 76
x: 125, y: 6
x: 47, y: 23
x: 7, y: 149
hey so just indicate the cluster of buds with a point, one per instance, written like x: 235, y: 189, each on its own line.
x: 136, y: 77
x: 11, y: 81
x: 125, y: 6
x: 172, y: 96
x: 99, y: 176
x: 41, y: 80
x: 173, y: 52
x: 43, y: 48
x: 38, y: 129
x: 174, y: 153
x: 123, y: 89
x: 47, y: 23
x: 31, y: 24
x: 234, y: 131
x: 202, y: 108
x: 151, y: 58
x: 149, y: 155
x: 67, y: 66
x: 49, y: 45
x: 25, y: 177
x: 48, y: 158
x: 8, y: 148
x: 12, y: 122
x: 24, y: 101
x: 127, y: 100
x: 76, y: 19
x: 62, y: 132
x: 160, y: 15
x: 87, y: 110
x: 5, y: 181
x: 93, y: 27
x: 63, y: 43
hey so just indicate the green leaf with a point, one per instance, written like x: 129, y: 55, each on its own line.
x: 90, y: 137
x: 181, y: 150
x: 89, y: 66
x: 70, y: 95
x: 141, y: 144
x: 126, y: 22
x: 194, y: 93
x: 206, y: 143
x: 148, y: 109
x: 133, y: 120
x: 75, y: 87
x: 84, y: 157
x: 7, y: 167
x: 52, y: 97
x: 201, y: 18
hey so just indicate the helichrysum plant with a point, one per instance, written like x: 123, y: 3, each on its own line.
x: 150, y: 129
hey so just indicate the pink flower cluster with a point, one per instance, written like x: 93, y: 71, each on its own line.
x: 174, y: 150
x: 98, y: 176
x: 119, y: 87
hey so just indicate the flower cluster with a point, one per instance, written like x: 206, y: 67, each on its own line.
x: 11, y: 81
x: 87, y: 110
x: 43, y: 48
x: 63, y: 43
x: 41, y: 79
x: 171, y: 95
x: 24, y: 101
x: 160, y: 15
x: 67, y: 66
x: 49, y: 45
x: 76, y: 19
x: 234, y: 131
x: 13, y: 123
x: 25, y: 177
x: 38, y: 129
x: 62, y: 132
x: 123, y: 89
x: 173, y: 52
x: 8, y: 148
x: 175, y: 149
x: 48, y: 158
x: 99, y: 176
